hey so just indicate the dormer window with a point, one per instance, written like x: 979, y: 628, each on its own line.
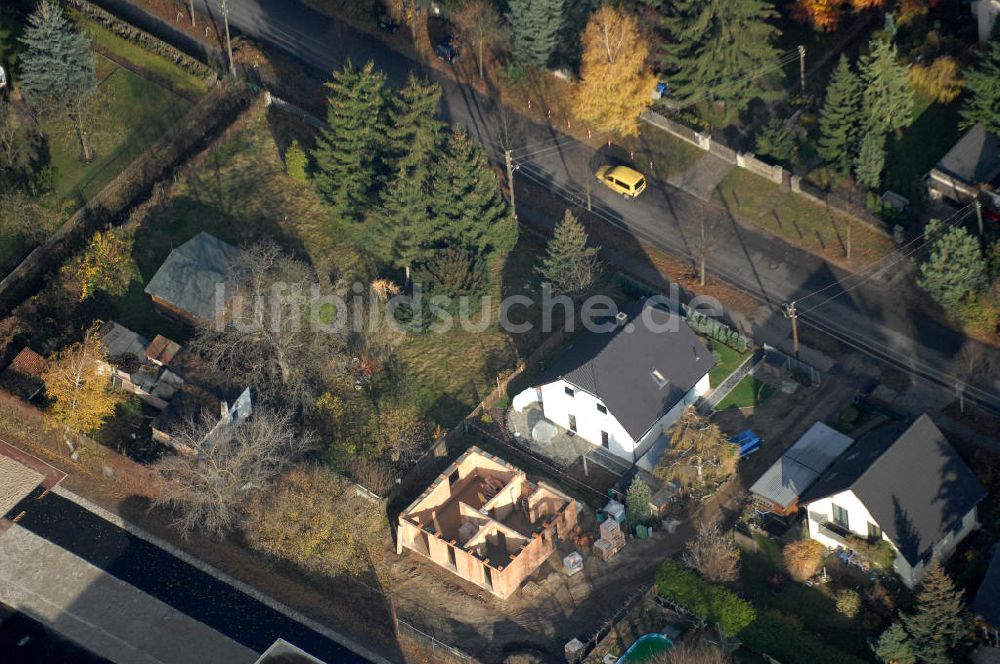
x: 601, y: 408
x: 658, y: 378
x: 569, y: 391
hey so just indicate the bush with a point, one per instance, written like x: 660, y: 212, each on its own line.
x: 709, y: 601
x: 803, y: 558
x: 940, y: 80
x: 848, y: 603
x: 296, y: 162
x: 783, y: 638
x: 880, y: 554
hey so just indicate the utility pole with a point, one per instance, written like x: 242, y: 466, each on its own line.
x: 979, y: 216
x: 510, y: 181
x: 849, y: 239
x: 802, y: 68
x: 224, y: 8
x: 792, y: 313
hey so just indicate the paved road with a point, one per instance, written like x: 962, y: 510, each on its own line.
x: 889, y: 321
x: 168, y: 579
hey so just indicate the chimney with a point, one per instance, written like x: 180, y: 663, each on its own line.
x: 697, y: 355
x: 621, y: 318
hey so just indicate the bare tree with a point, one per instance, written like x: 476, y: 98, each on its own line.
x: 191, y: 10
x: 224, y: 8
x: 699, y: 452
x: 712, y: 553
x: 705, y: 244
x: 481, y: 27
x: 210, y: 488
x: 271, y: 335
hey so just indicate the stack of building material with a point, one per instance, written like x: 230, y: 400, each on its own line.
x: 612, y: 540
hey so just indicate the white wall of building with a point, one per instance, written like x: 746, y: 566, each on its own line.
x: 985, y: 12
x: 821, y: 511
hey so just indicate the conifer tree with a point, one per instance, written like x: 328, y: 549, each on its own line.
x: 569, y: 264
x: 720, y: 50
x: 840, y: 118
x: 983, y: 83
x: 871, y: 159
x: 415, y: 131
x: 350, y: 152
x: 893, y: 646
x: 535, y: 29
x: 466, y: 202
x: 637, y: 510
x: 57, y: 69
x: 615, y: 82
x: 939, y: 624
x: 887, y: 97
x: 954, y: 267
x: 405, y: 232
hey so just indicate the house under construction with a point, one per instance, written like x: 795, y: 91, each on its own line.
x: 483, y: 520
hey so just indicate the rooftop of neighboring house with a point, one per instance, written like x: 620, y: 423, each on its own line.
x: 986, y: 603
x: 801, y: 465
x: 910, y: 479
x: 483, y: 504
x: 29, y: 363
x: 188, y: 278
x: 118, y: 340
x: 641, y: 365
x: 975, y: 158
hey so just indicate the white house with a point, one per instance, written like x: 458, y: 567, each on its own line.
x: 621, y: 387
x: 903, y: 483
x: 985, y: 12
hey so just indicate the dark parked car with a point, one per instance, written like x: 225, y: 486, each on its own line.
x: 446, y: 51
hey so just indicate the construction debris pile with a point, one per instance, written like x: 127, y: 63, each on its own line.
x: 612, y: 540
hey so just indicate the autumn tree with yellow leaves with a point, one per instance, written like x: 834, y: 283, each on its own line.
x: 79, y: 385
x: 105, y: 265
x: 616, y: 84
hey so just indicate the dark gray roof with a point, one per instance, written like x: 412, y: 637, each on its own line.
x: 801, y: 465
x: 188, y: 277
x: 617, y: 365
x: 910, y: 479
x: 975, y: 158
x: 986, y: 605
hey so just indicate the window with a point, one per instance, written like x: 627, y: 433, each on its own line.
x: 604, y: 439
x: 601, y: 408
x: 957, y: 530
x: 453, y: 478
x: 874, y: 532
x: 572, y: 422
x: 569, y: 391
x: 840, y: 517
x: 487, y: 578
x: 451, y: 558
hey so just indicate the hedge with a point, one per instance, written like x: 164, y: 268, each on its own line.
x: 780, y: 636
x: 709, y: 601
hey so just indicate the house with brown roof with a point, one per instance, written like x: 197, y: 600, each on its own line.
x: 483, y: 520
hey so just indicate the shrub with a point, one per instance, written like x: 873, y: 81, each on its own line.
x: 782, y: 637
x: 803, y: 558
x: 709, y: 601
x: 296, y: 162
x: 939, y: 80
x: 848, y: 603
x: 880, y: 553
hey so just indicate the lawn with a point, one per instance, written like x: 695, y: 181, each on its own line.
x: 920, y: 146
x: 131, y: 113
x: 155, y: 64
x: 729, y: 359
x: 748, y: 392
x: 669, y: 155
x: 798, y: 220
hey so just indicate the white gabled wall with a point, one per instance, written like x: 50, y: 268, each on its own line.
x: 821, y: 511
x: 558, y: 406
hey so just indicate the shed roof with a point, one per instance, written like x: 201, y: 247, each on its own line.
x: 639, y: 369
x: 29, y: 363
x: 119, y: 340
x: 975, y: 158
x: 162, y: 350
x: 790, y: 476
x: 188, y: 278
x: 911, y: 481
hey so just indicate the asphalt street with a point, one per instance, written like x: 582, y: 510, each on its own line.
x: 888, y: 321
x: 169, y: 579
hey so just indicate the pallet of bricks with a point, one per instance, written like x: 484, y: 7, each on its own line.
x: 612, y: 540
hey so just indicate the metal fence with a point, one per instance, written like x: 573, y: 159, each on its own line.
x: 437, y: 647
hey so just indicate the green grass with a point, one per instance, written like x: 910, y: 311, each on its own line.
x: 920, y: 146
x: 729, y: 359
x: 669, y: 154
x: 131, y: 114
x: 748, y: 392
x: 183, y: 80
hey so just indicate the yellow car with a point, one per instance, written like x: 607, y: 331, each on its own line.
x: 621, y: 179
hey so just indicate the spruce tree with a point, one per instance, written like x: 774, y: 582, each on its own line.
x: 954, y: 267
x: 894, y: 646
x: 535, y: 29
x: 405, y: 233
x: 871, y: 159
x: 887, y: 97
x: 714, y: 45
x: 983, y: 82
x: 840, y: 118
x: 939, y: 624
x: 57, y: 68
x: 351, y: 150
x: 466, y: 203
x: 569, y: 264
x: 415, y: 131
x: 637, y: 510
